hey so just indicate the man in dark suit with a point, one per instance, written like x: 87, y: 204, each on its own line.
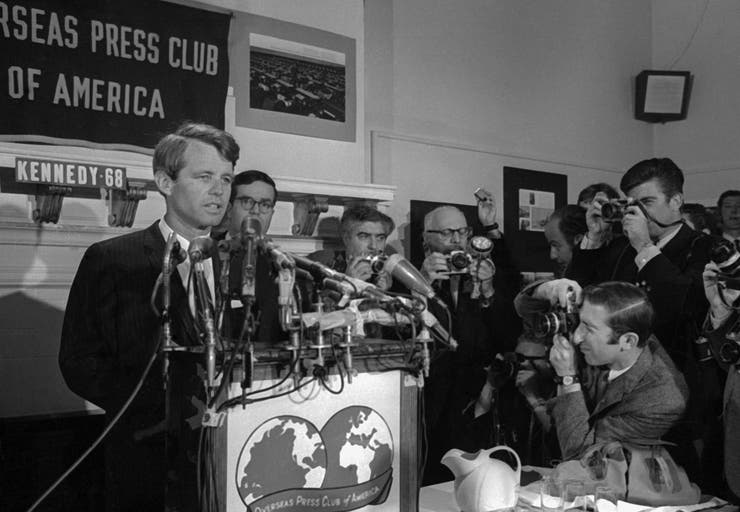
x: 111, y: 333
x: 253, y: 193
x: 483, y: 323
x: 629, y: 389
x: 660, y: 253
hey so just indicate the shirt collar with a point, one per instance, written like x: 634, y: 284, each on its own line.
x: 668, y: 237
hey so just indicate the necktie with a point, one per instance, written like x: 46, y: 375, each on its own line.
x: 737, y: 244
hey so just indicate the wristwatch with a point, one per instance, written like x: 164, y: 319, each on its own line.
x: 567, y: 380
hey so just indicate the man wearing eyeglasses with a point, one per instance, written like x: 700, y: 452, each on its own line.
x: 253, y: 193
x: 483, y: 326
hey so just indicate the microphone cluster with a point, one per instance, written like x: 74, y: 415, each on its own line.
x: 383, y: 308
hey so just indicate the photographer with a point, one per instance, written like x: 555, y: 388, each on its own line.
x: 722, y: 329
x: 626, y: 388
x: 479, y: 298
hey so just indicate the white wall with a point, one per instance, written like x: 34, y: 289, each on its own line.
x: 706, y: 144
x: 541, y: 85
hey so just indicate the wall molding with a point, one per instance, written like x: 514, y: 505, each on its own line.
x: 377, y: 135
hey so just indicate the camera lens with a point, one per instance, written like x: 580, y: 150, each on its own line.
x: 612, y: 212
x: 377, y: 263
x: 546, y: 324
x: 459, y: 260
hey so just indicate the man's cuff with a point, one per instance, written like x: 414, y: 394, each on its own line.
x: 572, y: 388
x: 718, y: 320
x: 645, y: 255
x: 587, y: 243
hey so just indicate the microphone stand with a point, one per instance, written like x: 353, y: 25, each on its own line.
x: 208, y: 322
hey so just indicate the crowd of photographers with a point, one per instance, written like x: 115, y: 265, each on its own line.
x: 637, y: 338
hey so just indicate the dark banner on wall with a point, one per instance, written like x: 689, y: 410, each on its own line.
x: 109, y: 74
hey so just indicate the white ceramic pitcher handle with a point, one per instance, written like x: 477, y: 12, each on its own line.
x: 516, y: 456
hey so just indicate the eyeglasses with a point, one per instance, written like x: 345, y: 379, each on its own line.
x: 247, y: 203
x: 447, y: 233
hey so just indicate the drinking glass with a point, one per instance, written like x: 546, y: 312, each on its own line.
x: 605, y: 499
x: 551, y: 495
x: 575, y: 495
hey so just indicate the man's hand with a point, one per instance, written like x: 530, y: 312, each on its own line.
x: 384, y: 281
x: 563, y: 357
x: 718, y: 308
x: 486, y: 207
x: 435, y: 267
x: 558, y: 291
x: 359, y: 268
x: 635, y: 226
x: 598, y: 229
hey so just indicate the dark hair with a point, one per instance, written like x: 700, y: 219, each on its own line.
x: 571, y: 222
x: 249, y: 177
x: 168, y: 155
x: 628, y: 306
x: 724, y: 195
x: 700, y: 217
x: 588, y: 193
x: 665, y: 170
x: 362, y: 213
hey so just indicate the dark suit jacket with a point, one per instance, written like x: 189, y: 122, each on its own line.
x: 109, y: 334
x: 265, y: 307
x: 641, y: 404
x: 672, y: 279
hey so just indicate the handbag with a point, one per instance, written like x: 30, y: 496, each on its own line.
x: 640, y: 473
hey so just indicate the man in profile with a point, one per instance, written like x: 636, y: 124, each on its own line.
x: 628, y: 389
x: 111, y: 333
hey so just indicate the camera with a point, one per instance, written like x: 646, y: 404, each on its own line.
x: 377, y: 262
x: 559, y: 320
x: 479, y: 248
x: 724, y: 254
x: 614, y: 210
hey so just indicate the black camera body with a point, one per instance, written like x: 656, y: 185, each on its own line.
x: 479, y: 247
x: 559, y: 320
x: 614, y: 210
x: 377, y: 262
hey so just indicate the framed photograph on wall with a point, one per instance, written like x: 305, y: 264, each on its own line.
x: 292, y: 78
x: 530, y: 197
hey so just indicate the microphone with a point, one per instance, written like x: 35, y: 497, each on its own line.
x: 251, y: 232
x: 201, y: 248
x: 317, y: 268
x: 173, y: 255
x: 351, y: 287
x: 281, y: 259
x: 400, y: 268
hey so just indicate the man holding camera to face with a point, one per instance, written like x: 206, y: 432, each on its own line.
x: 660, y: 253
x: 473, y: 280
x: 722, y: 332
x: 615, y: 380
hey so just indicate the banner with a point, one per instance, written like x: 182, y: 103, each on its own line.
x: 107, y: 74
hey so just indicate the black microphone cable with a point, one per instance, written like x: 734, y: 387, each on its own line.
x: 106, y: 430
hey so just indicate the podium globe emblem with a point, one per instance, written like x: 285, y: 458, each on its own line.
x: 283, y: 452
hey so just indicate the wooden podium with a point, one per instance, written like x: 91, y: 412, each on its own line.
x: 329, y: 447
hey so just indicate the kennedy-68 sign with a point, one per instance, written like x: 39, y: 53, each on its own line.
x: 69, y: 174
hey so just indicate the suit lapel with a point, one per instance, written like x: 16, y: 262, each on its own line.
x: 625, y: 383
x: 184, y: 330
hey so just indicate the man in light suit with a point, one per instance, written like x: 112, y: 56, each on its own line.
x: 628, y: 389
x: 111, y: 332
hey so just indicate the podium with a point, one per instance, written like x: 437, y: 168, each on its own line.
x: 329, y: 445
